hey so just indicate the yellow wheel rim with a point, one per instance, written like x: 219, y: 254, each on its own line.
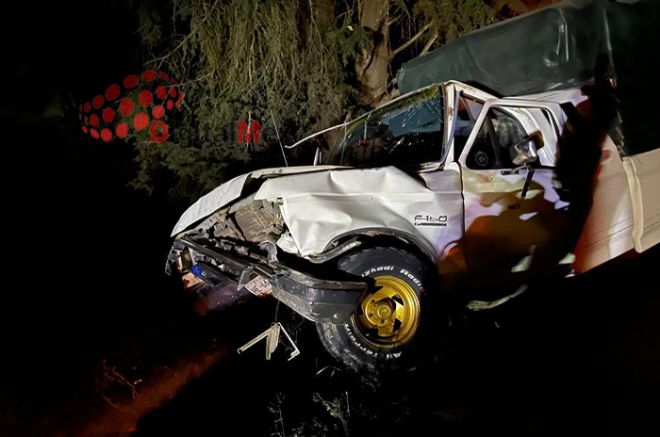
x: 389, y: 316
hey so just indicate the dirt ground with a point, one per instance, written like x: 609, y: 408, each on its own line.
x: 579, y: 357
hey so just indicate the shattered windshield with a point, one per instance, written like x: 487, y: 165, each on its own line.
x: 404, y: 133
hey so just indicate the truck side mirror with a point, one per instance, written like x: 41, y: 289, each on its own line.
x: 525, y: 152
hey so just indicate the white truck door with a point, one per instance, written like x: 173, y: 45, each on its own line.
x: 506, y: 234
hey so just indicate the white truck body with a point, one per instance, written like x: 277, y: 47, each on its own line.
x: 446, y: 202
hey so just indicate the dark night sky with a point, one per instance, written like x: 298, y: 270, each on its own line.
x: 85, y: 252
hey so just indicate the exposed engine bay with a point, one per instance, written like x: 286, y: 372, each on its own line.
x: 233, y: 254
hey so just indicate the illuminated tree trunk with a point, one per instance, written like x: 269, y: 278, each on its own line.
x: 373, y: 66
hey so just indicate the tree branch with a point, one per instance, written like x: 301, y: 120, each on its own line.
x: 393, y: 20
x: 430, y: 42
x: 411, y: 40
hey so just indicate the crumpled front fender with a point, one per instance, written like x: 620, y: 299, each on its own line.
x: 231, y: 190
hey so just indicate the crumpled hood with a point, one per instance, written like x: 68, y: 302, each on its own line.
x: 231, y: 190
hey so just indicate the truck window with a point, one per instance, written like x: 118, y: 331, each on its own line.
x: 405, y: 133
x: 498, y: 132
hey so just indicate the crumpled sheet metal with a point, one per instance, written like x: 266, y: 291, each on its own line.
x: 341, y: 202
x: 210, y: 202
x: 231, y: 190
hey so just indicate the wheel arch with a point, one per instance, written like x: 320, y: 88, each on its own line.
x: 379, y: 237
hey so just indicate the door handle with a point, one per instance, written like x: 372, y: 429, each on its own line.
x: 510, y: 171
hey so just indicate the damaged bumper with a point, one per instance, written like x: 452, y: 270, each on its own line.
x: 237, y: 276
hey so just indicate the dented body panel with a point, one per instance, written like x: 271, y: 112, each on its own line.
x: 230, y: 191
x: 345, y: 202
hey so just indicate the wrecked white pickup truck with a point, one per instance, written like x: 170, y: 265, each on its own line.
x: 447, y: 188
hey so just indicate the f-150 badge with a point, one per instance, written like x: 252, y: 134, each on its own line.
x: 430, y: 220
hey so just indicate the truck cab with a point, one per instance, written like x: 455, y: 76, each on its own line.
x: 490, y: 166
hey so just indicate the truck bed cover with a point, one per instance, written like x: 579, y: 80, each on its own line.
x: 560, y: 47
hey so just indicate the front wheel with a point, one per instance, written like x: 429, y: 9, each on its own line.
x: 380, y: 335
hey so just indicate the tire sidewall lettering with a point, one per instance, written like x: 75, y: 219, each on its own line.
x: 415, y: 281
x: 344, y: 341
x: 378, y: 269
x: 387, y: 355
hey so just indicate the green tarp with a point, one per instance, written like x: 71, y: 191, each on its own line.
x: 556, y: 48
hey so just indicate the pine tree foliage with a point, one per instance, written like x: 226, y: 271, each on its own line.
x: 288, y: 63
x: 450, y: 18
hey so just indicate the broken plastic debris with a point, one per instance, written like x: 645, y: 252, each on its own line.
x: 272, y: 336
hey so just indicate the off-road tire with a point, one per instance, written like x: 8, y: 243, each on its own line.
x: 345, y: 343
